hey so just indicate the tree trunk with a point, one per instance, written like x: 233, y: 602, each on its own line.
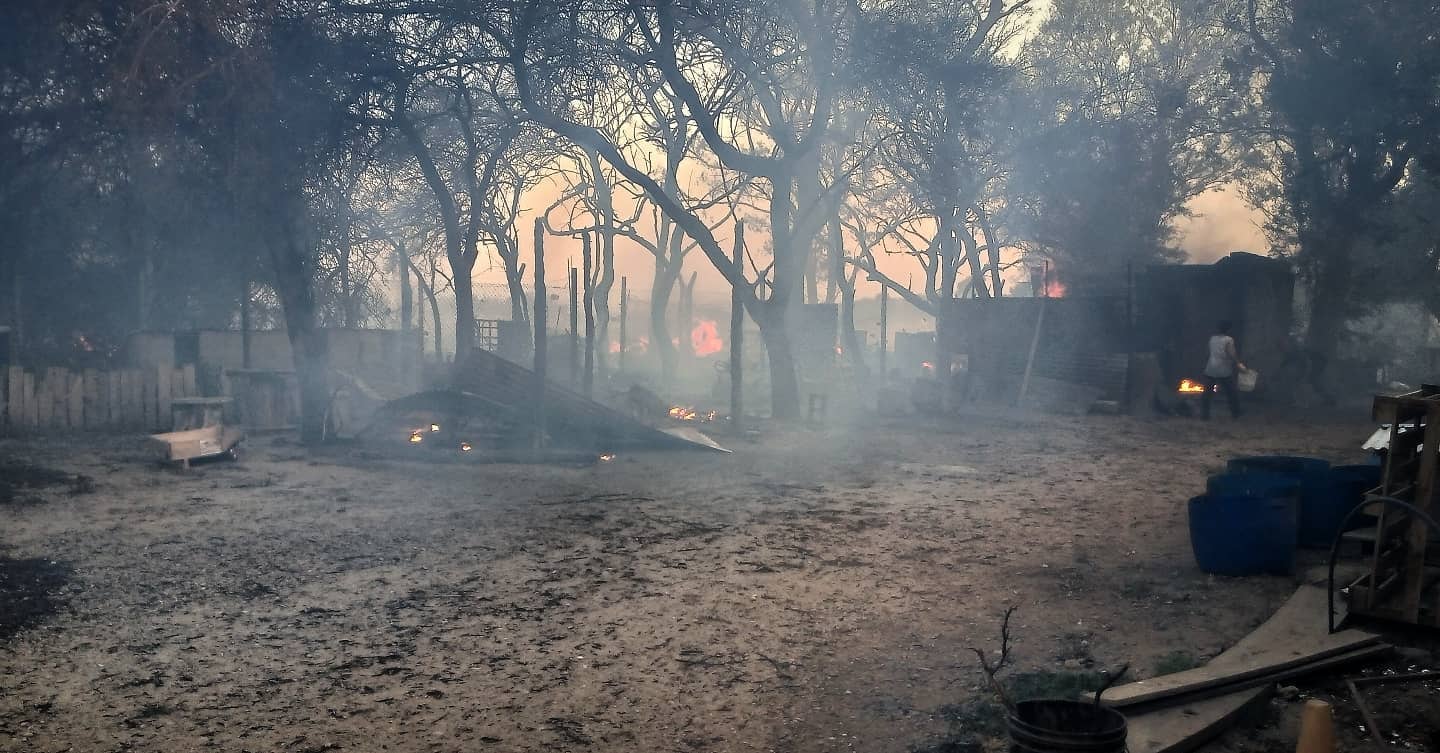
x: 435, y: 324
x: 407, y: 299
x: 294, y: 284
x: 784, y: 383
x: 347, y: 294
x: 660, y: 290
x: 605, y: 281
x: 515, y: 278
x: 1330, y: 294
x: 737, y: 338
x: 464, y: 316
x: 686, y: 323
x: 17, y: 329
x: 588, y: 378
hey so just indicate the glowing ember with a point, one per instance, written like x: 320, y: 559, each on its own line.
x: 416, y: 437
x: 434, y: 427
x: 705, y: 338
x: 927, y: 366
x: 465, y: 447
x: 1055, y: 289
x: 607, y: 457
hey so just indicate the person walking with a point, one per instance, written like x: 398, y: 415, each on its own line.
x: 1221, y: 371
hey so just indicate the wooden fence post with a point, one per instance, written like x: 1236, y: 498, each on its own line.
x: 32, y: 402
x: 162, y: 398
x: 75, y: 402
x: 15, y: 395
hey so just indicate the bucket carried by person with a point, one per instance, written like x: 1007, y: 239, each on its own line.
x: 1246, y: 379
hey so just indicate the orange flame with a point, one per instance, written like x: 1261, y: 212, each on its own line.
x: 705, y: 338
x: 1054, y: 289
x: 685, y: 413
x: 1188, y: 386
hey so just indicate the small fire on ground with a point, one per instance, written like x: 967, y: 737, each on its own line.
x: 1190, y: 386
x: 685, y: 413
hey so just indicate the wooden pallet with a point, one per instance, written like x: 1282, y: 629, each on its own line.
x: 1403, y: 582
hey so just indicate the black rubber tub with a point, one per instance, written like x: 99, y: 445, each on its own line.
x: 1058, y: 726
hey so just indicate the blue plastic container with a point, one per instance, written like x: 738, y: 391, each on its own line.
x: 1246, y: 524
x: 1318, y: 520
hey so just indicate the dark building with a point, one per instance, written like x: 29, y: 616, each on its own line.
x: 1179, y: 305
x: 1168, y: 316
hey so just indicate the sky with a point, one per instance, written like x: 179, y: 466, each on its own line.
x: 1220, y: 222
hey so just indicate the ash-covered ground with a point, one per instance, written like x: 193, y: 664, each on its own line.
x: 818, y: 590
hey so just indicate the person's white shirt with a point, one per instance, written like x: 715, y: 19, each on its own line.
x: 1221, y: 364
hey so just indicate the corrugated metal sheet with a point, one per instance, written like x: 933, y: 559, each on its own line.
x: 571, y: 418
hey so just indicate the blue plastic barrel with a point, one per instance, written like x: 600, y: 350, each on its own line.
x: 1246, y: 524
x: 1317, y: 499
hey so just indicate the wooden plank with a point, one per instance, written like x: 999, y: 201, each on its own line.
x: 75, y: 401
x: 45, y: 396
x: 150, y: 420
x: 1185, y: 727
x: 111, y: 386
x: 15, y: 395
x: 162, y: 397
x: 90, y: 402
x: 1324, y: 665
x: 1294, y: 636
x: 117, y: 406
x: 122, y: 403
x: 32, y: 402
x: 129, y: 399
x: 137, y: 401
x: 59, y: 380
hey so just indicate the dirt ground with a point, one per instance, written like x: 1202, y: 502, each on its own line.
x: 818, y: 590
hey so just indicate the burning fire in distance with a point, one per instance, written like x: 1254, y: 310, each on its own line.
x: 705, y: 339
x: 683, y: 413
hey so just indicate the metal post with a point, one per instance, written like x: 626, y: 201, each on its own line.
x: 539, y: 386
x: 737, y: 335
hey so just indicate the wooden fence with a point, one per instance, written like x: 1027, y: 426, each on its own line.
x: 119, y: 400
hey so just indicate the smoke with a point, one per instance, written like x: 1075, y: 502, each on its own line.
x: 1221, y: 221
